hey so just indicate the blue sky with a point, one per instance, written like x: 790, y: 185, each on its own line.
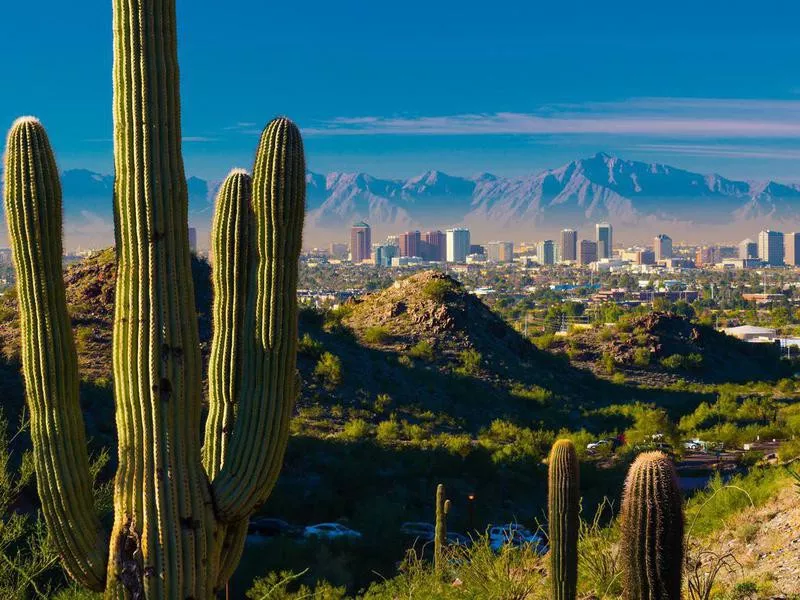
x: 394, y: 89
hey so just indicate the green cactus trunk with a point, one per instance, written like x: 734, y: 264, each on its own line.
x: 440, y: 531
x: 563, y: 508
x: 652, y: 530
x: 180, y: 513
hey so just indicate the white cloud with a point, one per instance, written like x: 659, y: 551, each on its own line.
x: 663, y: 117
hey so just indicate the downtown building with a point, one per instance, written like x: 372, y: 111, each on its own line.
x: 748, y: 249
x: 360, y: 242
x: 569, y: 245
x: 410, y: 243
x: 792, y: 249
x: 434, y: 246
x: 458, y: 245
x: 500, y: 252
x: 770, y: 247
x: 546, y: 252
x: 587, y: 252
x: 662, y: 247
x: 604, y: 235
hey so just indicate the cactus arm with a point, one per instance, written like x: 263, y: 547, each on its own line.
x: 163, y: 542
x: 269, y: 374
x: 564, y: 519
x: 49, y: 360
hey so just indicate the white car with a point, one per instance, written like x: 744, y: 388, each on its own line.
x: 693, y: 446
x: 516, y: 535
x: 331, y: 531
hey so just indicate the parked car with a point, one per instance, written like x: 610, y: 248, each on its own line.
x: 693, y: 446
x: 610, y: 443
x: 331, y: 531
x: 516, y: 535
x: 272, y: 527
x: 418, y: 530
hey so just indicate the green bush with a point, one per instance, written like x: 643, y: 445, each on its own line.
x: 377, y: 335
x: 673, y: 362
x: 423, y: 351
x: 308, y: 346
x: 607, y: 363
x: 533, y: 393
x: 356, y: 429
x: 388, y: 431
x: 382, y: 403
x: 278, y: 586
x: 438, y: 289
x: 470, y: 362
x: 641, y: 357
x: 329, y: 370
x: 545, y: 341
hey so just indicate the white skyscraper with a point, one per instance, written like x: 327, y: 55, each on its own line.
x: 662, y: 246
x: 457, y: 245
x: 605, y: 241
x: 770, y: 247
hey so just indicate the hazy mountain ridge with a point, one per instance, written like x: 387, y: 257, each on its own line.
x: 635, y: 196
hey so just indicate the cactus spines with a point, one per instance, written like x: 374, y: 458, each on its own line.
x: 652, y: 530
x: 50, y: 363
x: 563, y: 508
x: 180, y: 513
x: 440, y: 532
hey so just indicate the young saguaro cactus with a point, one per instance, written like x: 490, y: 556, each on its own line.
x: 652, y: 530
x: 563, y: 508
x: 440, y: 532
x: 179, y: 513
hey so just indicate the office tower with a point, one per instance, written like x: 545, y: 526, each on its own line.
x: 587, y: 252
x: 409, y: 243
x: 384, y: 255
x: 707, y: 255
x: 748, y: 249
x: 500, y: 252
x: 457, y: 245
x: 193, y: 240
x: 792, y: 251
x: 546, y: 252
x: 434, y: 246
x: 393, y: 240
x: 662, y: 247
x: 605, y: 240
x: 770, y: 247
x: 360, y: 242
x: 337, y: 250
x: 569, y: 244
x: 645, y: 257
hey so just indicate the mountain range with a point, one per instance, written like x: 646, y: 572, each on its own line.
x: 639, y: 199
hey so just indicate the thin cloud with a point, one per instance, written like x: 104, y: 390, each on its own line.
x: 665, y: 117
x: 198, y: 139
x: 722, y: 151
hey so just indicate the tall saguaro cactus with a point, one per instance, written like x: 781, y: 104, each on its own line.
x: 180, y: 513
x: 563, y: 508
x: 652, y: 530
x: 440, y: 531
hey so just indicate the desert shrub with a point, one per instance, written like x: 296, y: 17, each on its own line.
x: 284, y: 586
x: 672, y: 362
x: 388, y: 431
x: 789, y: 450
x: 545, y: 341
x: 618, y: 379
x: 329, y: 370
x: 356, y: 429
x: 641, y: 357
x: 308, y: 346
x: 377, y: 335
x: 533, y: 393
x: 382, y: 403
x: 422, y: 350
x: 460, y: 444
x: 438, y: 289
x: 607, y: 363
x: 606, y: 334
x: 598, y: 555
x: 470, y: 362
x: 405, y: 361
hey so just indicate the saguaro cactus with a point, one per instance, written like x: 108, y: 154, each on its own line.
x: 563, y: 508
x: 440, y: 533
x: 179, y: 514
x: 652, y: 530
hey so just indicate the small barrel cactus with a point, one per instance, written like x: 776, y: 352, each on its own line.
x: 563, y: 508
x: 652, y: 530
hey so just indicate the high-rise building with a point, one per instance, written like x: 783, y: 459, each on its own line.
x: 434, y: 246
x: 500, y: 252
x: 384, y: 255
x: 337, y: 250
x: 409, y: 243
x: 393, y: 240
x: 193, y: 240
x: 569, y: 244
x: 605, y: 240
x: 587, y: 252
x: 707, y: 255
x: 748, y: 249
x: 546, y: 252
x: 662, y: 247
x: 457, y: 245
x: 360, y: 242
x: 792, y: 249
x: 770, y: 247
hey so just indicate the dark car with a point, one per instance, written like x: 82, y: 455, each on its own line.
x: 272, y: 527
